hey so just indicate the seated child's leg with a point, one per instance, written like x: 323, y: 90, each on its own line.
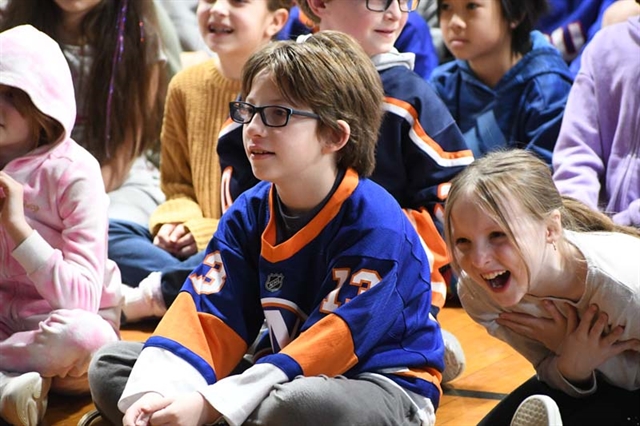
x: 157, y: 291
x: 108, y: 374
x: 337, y: 401
x: 131, y: 247
x: 59, y: 344
x: 23, y: 398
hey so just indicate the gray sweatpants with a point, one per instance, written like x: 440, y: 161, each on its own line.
x: 366, y: 401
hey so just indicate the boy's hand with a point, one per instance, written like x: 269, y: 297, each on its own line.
x: 176, y: 239
x: 551, y: 332
x: 139, y: 414
x: 588, y: 346
x: 12, y: 209
x: 187, y: 410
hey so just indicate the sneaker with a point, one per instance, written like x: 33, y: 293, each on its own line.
x: 537, y: 410
x: 23, y: 400
x: 93, y: 418
x: 454, y: 359
x: 144, y: 301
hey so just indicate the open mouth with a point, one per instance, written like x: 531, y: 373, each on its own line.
x: 259, y: 153
x: 496, y: 280
x: 217, y: 29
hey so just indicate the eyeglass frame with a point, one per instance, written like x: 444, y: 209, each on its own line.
x: 260, y: 111
x: 417, y: 2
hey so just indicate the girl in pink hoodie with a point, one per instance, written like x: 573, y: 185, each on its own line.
x: 59, y: 294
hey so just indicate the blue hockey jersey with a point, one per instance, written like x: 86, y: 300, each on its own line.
x: 348, y: 293
x: 420, y: 149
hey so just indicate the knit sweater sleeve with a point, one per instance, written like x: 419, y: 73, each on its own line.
x: 176, y: 178
x: 196, y: 107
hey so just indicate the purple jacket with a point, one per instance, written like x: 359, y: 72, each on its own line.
x: 597, y: 157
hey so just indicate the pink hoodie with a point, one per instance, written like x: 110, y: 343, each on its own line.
x: 63, y: 264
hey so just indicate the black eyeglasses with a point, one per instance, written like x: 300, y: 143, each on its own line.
x: 383, y: 5
x: 272, y: 115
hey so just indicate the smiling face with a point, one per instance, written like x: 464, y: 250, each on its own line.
x: 237, y: 27
x: 475, y: 30
x: 505, y: 268
x: 376, y: 32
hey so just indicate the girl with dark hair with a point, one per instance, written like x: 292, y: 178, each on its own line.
x: 117, y: 65
x: 508, y: 86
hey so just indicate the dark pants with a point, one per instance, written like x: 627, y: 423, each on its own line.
x: 131, y: 247
x: 609, y: 406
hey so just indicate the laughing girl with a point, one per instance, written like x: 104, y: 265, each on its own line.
x: 557, y: 281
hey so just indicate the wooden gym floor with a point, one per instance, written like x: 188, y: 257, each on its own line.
x: 493, y: 370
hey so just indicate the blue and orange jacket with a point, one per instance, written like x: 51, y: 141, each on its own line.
x: 347, y: 294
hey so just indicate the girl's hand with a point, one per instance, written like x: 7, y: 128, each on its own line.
x: 187, y: 410
x: 176, y: 239
x: 12, y: 209
x: 139, y: 414
x: 550, y: 332
x: 588, y: 346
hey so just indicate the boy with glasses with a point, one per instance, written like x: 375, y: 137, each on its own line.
x: 419, y: 150
x: 325, y: 255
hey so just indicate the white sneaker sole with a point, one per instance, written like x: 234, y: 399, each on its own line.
x: 537, y: 410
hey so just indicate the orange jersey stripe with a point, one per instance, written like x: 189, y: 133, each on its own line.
x: 417, y: 128
x: 204, y: 334
x: 325, y: 348
x: 430, y: 375
x: 438, y: 256
x: 283, y: 251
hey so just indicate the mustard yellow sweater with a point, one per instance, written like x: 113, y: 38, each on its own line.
x: 197, y: 106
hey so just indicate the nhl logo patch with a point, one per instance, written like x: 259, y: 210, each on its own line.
x: 274, y: 282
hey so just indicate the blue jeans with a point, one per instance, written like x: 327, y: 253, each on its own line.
x: 131, y: 247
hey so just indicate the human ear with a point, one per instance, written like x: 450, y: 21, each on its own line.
x: 317, y: 6
x: 278, y: 20
x: 554, y: 227
x: 338, y: 138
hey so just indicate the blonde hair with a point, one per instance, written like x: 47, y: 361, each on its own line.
x: 501, y: 176
x: 330, y: 74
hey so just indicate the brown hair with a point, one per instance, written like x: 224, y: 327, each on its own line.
x: 274, y: 5
x: 334, y: 77
x: 44, y: 129
x: 501, y: 176
x: 304, y: 6
x: 131, y: 109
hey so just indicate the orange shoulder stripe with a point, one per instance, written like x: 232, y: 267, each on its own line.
x: 424, y: 137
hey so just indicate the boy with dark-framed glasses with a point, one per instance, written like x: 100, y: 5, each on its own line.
x: 419, y: 150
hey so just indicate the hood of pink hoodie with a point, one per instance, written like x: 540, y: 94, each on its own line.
x: 32, y: 61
